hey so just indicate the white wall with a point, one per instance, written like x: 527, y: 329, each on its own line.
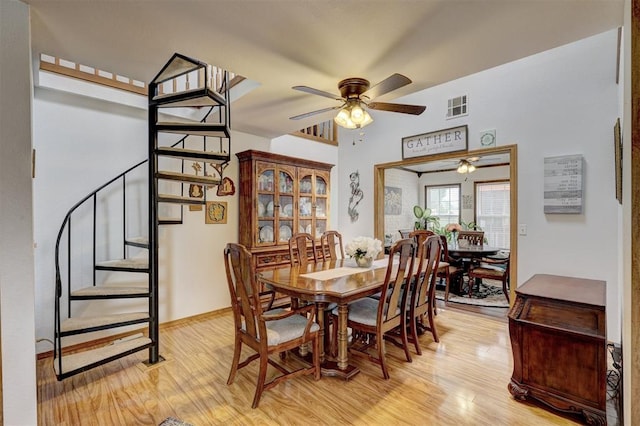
x: 82, y: 142
x: 408, y: 183
x: 563, y: 101
x: 16, y: 234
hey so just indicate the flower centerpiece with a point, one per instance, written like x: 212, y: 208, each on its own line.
x: 363, y: 250
x: 453, y: 228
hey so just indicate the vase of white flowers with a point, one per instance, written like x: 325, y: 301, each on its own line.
x: 363, y: 250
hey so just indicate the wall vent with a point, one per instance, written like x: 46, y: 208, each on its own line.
x: 457, y: 107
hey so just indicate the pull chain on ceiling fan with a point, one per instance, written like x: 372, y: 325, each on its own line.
x: 355, y: 94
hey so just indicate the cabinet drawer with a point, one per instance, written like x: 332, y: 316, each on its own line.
x: 267, y: 260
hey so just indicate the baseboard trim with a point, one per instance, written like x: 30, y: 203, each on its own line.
x: 108, y: 339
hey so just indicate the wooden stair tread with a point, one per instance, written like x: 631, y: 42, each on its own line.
x: 167, y: 198
x: 184, y: 177
x: 127, y: 264
x: 196, y: 128
x: 138, y: 241
x: 170, y: 221
x: 193, y: 154
x: 86, y: 359
x: 81, y: 323
x: 107, y: 290
x: 190, y: 98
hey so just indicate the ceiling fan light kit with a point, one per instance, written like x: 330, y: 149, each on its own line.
x: 355, y: 93
x: 353, y: 116
x: 465, y: 166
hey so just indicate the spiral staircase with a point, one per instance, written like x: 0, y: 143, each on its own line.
x: 106, y: 253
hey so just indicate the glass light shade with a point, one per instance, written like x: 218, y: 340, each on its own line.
x: 462, y: 168
x: 367, y: 119
x: 471, y: 168
x: 343, y: 120
x: 342, y: 117
x: 357, y: 114
x: 353, y: 116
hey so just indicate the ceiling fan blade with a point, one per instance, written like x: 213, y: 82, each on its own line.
x: 402, y: 108
x: 313, y: 91
x: 393, y: 82
x: 309, y: 114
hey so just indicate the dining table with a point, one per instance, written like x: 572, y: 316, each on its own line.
x: 471, y: 251
x: 469, y: 254
x: 338, y: 281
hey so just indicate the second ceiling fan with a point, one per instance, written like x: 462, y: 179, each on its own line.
x: 355, y: 94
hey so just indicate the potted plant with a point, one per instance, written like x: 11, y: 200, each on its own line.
x: 424, y: 218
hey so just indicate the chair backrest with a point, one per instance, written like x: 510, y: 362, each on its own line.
x: 244, y: 291
x: 299, y: 246
x: 424, y: 278
x: 444, y: 248
x: 475, y: 238
x: 331, y: 244
x: 404, y: 233
x: 420, y: 236
x: 392, y: 295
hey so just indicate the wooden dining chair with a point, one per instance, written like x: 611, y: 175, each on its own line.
x: 404, y: 233
x: 422, y: 292
x: 302, y: 249
x: 267, y: 331
x: 373, y: 321
x: 331, y: 245
x: 493, y: 268
x: 475, y: 238
x: 420, y: 236
x: 450, y: 269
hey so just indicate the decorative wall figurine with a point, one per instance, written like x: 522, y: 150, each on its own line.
x: 356, y: 196
x: 196, y: 191
x: 216, y: 212
x: 226, y: 187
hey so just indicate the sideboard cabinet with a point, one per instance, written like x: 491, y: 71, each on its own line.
x: 557, y: 327
x: 279, y: 196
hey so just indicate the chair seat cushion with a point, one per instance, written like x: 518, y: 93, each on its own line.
x: 364, y: 311
x: 286, y: 329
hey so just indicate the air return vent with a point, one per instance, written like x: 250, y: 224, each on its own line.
x: 457, y: 107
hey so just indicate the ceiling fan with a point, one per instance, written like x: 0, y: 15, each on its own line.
x: 465, y: 165
x: 356, y: 93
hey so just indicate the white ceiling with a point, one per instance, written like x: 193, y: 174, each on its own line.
x: 283, y: 43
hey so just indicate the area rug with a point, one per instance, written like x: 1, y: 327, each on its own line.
x: 171, y: 421
x: 488, y: 294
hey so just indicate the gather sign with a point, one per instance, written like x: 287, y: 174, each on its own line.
x: 447, y: 140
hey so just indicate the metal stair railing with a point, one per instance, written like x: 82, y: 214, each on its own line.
x: 67, y: 224
x: 224, y: 87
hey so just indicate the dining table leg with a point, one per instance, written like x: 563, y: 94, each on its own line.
x: 320, y: 307
x: 343, y: 359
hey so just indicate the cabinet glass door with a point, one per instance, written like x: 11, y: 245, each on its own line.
x: 265, y: 210
x: 285, y: 205
x: 321, y: 204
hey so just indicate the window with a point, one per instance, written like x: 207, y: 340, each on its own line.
x: 457, y: 107
x: 444, y: 202
x: 493, y: 212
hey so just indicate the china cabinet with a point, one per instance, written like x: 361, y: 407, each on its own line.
x: 279, y: 196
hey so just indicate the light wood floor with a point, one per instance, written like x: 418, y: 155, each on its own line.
x: 460, y: 381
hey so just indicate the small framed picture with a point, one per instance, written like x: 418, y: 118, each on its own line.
x: 617, y: 145
x: 216, y: 212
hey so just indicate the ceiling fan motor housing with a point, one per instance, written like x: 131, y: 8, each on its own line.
x: 353, y: 87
